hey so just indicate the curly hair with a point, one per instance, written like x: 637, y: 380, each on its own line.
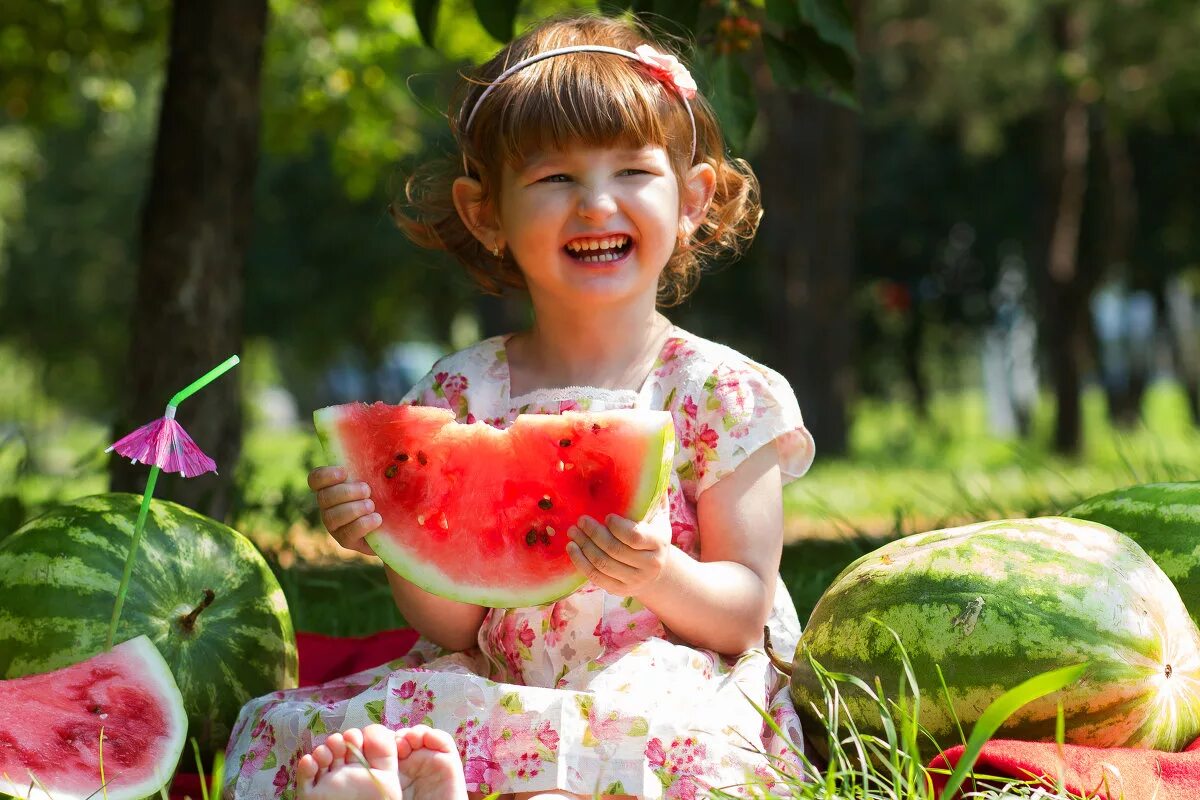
x: 588, y: 99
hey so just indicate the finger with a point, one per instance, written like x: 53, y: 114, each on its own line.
x: 594, y: 562
x: 343, y: 514
x: 604, y: 540
x: 351, y: 536
x: 345, y: 492
x: 321, y: 477
x: 629, y: 533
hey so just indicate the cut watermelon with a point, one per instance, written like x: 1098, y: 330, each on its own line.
x: 480, y: 515
x: 51, y: 724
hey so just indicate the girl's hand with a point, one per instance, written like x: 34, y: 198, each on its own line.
x: 621, y: 556
x: 346, y: 507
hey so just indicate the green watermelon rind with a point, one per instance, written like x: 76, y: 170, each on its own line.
x: 69, y: 573
x: 149, y: 667
x: 651, y: 487
x: 1056, y: 591
x: 1164, y: 519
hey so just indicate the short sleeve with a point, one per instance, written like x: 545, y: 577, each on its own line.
x: 739, y: 407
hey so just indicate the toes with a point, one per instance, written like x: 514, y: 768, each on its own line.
x: 337, y: 747
x: 306, y: 770
x: 354, y: 745
x: 323, y: 757
x: 379, y: 747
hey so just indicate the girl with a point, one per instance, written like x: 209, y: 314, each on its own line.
x: 595, y: 177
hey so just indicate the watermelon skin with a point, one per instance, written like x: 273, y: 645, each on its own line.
x: 1164, y: 518
x: 480, y: 515
x: 60, y: 573
x: 128, y: 692
x: 996, y: 603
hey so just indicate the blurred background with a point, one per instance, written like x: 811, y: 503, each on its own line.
x: 979, y: 266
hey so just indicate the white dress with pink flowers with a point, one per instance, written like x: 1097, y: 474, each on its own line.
x: 589, y: 694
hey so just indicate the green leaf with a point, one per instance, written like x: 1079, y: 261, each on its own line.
x: 317, y: 724
x: 1001, y: 709
x: 784, y: 13
x: 511, y: 702
x: 497, y: 17
x: 802, y: 60
x: 733, y: 99
x: 832, y: 21
x: 680, y: 14
x: 426, y: 13
x: 374, y: 710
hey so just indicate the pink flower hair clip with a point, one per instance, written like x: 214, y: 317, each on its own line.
x: 667, y: 69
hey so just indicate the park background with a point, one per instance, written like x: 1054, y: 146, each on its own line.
x: 979, y: 266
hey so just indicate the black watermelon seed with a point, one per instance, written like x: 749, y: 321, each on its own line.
x: 544, y: 504
x: 531, y: 537
x: 564, y: 442
x: 421, y: 459
x: 402, y: 457
x: 545, y: 538
x: 390, y: 472
x: 596, y: 428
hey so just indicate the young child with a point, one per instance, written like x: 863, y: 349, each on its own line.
x: 595, y: 177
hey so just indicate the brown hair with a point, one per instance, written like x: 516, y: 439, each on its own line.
x: 594, y: 99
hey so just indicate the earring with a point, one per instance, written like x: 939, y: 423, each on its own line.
x: 495, y: 250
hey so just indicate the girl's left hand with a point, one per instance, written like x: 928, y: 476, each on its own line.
x: 620, y: 556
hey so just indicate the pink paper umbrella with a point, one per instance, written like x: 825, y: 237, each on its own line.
x: 164, y: 445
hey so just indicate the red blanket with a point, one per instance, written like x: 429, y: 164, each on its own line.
x: 1106, y: 774
x: 1103, y: 774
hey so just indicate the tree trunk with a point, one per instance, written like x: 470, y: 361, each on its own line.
x: 1120, y: 209
x: 809, y: 173
x: 1065, y: 290
x: 196, y: 226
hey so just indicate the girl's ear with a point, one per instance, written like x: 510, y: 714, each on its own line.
x: 698, y: 192
x: 479, y: 216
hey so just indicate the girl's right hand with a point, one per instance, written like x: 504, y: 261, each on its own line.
x: 346, y: 507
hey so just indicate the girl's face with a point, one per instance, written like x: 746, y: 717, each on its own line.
x: 591, y: 224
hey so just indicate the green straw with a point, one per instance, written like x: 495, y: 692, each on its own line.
x: 140, y: 525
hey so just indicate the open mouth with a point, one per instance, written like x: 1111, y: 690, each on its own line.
x: 599, y: 251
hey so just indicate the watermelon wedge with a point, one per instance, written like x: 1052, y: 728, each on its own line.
x: 51, y: 724
x: 480, y: 515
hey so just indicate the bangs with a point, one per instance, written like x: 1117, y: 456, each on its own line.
x: 586, y: 99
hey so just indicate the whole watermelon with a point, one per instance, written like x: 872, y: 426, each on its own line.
x: 200, y: 591
x: 996, y: 603
x: 1164, y: 518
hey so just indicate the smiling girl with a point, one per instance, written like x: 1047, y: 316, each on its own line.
x: 592, y: 175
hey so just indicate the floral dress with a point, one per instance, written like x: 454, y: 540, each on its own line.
x: 590, y: 694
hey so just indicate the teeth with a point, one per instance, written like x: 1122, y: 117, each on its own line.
x: 607, y: 243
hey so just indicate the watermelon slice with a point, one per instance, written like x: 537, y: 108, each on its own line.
x: 51, y: 723
x: 480, y: 515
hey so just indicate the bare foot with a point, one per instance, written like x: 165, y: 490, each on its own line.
x: 412, y: 764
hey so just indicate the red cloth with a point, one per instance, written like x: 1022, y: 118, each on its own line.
x: 1106, y: 774
x: 323, y: 658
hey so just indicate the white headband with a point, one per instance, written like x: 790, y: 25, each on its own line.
x: 664, y: 67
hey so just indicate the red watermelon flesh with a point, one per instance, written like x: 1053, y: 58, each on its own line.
x: 479, y: 514
x: 51, y: 723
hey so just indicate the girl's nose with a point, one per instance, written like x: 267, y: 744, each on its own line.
x: 596, y: 203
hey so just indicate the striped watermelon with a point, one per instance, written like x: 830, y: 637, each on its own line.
x: 200, y: 591
x: 1164, y: 518
x: 995, y: 603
